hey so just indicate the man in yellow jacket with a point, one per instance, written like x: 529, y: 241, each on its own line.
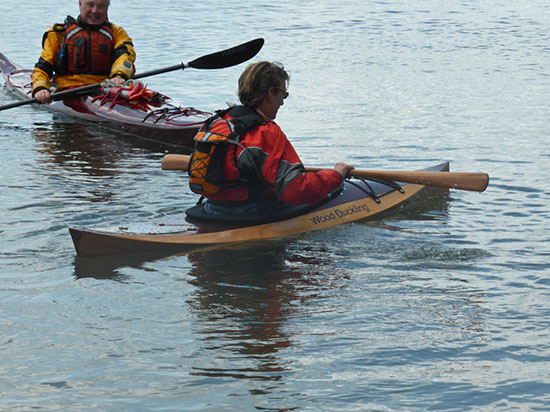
x: 83, y: 51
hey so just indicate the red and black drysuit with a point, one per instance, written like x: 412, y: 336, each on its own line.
x: 266, y: 150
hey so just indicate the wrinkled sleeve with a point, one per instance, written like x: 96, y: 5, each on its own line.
x: 44, y: 69
x: 124, y: 54
x: 293, y: 185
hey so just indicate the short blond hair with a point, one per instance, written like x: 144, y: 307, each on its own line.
x: 258, y: 78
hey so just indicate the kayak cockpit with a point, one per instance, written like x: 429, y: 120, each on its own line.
x: 251, y: 213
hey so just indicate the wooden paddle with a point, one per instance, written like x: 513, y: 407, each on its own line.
x: 476, y: 182
x: 218, y: 60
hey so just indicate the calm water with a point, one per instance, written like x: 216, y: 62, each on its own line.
x: 443, y: 306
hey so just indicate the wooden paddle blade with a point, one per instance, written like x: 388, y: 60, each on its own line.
x: 476, y: 182
x: 230, y: 57
x: 175, y: 162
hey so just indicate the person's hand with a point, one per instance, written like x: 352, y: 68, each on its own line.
x: 43, y: 96
x: 343, y: 169
x: 118, y: 80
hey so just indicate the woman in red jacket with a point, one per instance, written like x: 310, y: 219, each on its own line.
x: 271, y: 175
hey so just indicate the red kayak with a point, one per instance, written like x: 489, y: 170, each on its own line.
x: 147, y: 115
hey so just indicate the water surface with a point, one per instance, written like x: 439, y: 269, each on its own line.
x: 440, y: 306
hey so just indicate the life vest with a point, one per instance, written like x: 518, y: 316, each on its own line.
x: 206, y: 174
x: 86, y: 50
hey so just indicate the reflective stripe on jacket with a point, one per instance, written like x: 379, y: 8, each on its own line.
x: 86, y: 51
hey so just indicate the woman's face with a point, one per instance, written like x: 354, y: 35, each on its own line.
x: 274, y: 99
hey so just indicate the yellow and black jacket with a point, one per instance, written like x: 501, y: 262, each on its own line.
x: 76, y: 54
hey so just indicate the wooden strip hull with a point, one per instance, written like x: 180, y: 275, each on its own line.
x: 176, y: 234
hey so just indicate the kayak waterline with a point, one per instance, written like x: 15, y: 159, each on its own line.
x: 357, y: 200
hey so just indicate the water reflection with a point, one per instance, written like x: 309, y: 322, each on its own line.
x: 112, y: 266
x: 87, y: 148
x: 432, y: 204
x: 74, y: 146
x: 244, y: 298
x: 87, y: 158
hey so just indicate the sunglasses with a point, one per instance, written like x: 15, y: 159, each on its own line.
x: 285, y: 93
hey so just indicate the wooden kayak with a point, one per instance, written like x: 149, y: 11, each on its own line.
x: 357, y: 200
x: 158, y: 120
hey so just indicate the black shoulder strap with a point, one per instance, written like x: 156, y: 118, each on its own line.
x: 70, y: 20
x: 243, y: 124
x: 57, y: 28
x: 218, y: 115
x: 250, y: 121
x: 246, y: 123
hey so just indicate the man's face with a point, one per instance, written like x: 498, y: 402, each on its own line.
x: 93, y: 12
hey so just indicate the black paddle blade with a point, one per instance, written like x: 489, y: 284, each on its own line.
x: 230, y: 57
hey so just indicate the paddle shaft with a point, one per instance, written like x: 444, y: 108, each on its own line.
x: 218, y: 60
x: 476, y: 182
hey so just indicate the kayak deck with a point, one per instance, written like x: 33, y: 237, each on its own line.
x: 152, y: 120
x: 358, y: 200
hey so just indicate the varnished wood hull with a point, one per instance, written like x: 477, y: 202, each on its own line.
x: 177, y: 235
